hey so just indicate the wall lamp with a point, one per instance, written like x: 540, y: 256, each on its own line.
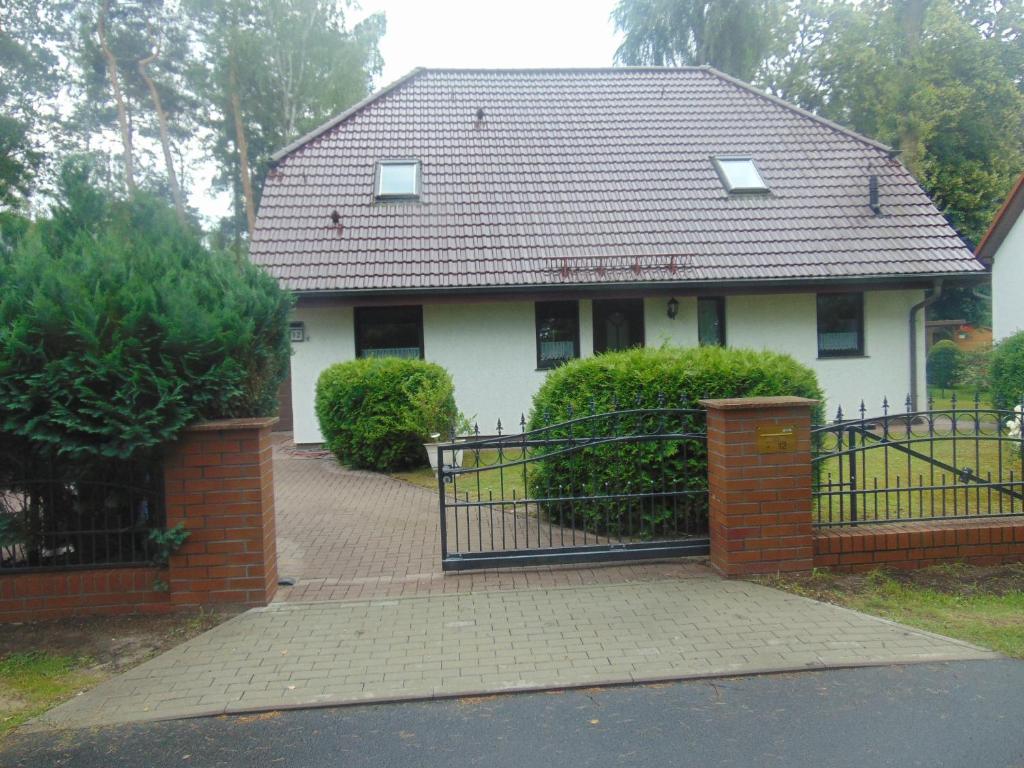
x: 673, y: 309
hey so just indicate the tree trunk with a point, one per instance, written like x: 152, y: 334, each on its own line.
x: 242, y: 144
x: 115, y: 87
x: 165, y: 142
x: 911, y: 15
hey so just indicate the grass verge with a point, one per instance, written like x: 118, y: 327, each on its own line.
x: 71, y: 655
x: 984, y: 606
x: 32, y: 682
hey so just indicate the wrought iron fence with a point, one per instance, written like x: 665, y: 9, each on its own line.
x: 963, y: 461
x: 618, y: 485
x: 58, y: 514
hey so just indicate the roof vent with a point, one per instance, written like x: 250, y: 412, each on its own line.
x: 873, y: 194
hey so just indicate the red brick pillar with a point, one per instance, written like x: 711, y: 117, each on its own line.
x: 219, y: 482
x: 759, y: 480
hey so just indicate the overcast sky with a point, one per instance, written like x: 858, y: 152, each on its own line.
x: 493, y: 33
x: 472, y: 33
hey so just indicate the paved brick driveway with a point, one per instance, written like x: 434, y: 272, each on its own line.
x: 484, y: 642
x: 350, y: 535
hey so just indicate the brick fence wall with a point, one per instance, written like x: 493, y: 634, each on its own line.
x: 760, y: 502
x: 917, y: 545
x: 219, y: 482
x: 51, y: 595
x: 761, y: 505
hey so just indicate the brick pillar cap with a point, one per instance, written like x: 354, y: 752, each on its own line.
x: 752, y: 403
x: 256, y: 422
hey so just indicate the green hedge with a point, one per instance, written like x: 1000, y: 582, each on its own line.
x: 376, y: 413
x: 945, y: 364
x: 647, y: 378
x: 1007, y: 372
x: 119, y: 327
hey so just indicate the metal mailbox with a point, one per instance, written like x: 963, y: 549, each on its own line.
x: 776, y: 439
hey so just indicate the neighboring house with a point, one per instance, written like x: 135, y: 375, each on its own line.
x: 969, y: 338
x: 502, y: 222
x: 1002, y: 247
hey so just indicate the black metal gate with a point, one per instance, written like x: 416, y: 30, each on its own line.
x: 624, y: 485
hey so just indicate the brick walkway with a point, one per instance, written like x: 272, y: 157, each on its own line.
x: 350, y: 535
x: 346, y: 652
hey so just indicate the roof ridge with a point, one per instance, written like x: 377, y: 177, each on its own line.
x: 414, y: 73
x: 499, y: 70
x: 799, y: 110
x: 337, y: 119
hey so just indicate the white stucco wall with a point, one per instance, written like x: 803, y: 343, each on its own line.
x: 1008, y: 284
x: 787, y: 323
x: 490, y: 349
x: 330, y: 338
x: 491, y: 353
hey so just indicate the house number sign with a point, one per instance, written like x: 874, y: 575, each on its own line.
x: 776, y: 439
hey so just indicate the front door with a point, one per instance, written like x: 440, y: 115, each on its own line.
x: 618, y: 324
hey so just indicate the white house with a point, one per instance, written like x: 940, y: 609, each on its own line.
x: 501, y: 222
x: 1003, y: 248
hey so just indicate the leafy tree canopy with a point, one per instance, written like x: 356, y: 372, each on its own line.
x: 732, y: 35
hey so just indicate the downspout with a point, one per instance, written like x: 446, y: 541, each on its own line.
x: 936, y: 294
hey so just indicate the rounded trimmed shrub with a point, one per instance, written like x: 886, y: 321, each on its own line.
x: 376, y: 413
x: 1007, y: 372
x: 666, y: 377
x: 945, y: 361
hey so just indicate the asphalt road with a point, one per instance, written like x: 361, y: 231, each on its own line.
x: 961, y: 714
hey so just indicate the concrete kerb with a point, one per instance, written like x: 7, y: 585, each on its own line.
x: 35, y: 726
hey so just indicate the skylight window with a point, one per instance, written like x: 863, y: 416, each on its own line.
x: 739, y: 174
x: 398, y: 179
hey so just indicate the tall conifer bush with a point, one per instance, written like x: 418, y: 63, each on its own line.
x: 119, y: 327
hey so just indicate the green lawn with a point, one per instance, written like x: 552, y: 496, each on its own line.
x: 943, y: 398
x: 31, y: 683
x: 984, y: 606
x: 906, y: 485
x: 492, y: 482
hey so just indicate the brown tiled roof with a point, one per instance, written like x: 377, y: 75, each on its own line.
x: 1002, y: 222
x: 580, y: 177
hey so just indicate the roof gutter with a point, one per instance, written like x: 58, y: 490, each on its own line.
x: 693, y: 287
x: 914, y: 310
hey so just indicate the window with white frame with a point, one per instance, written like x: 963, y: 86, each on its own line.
x: 740, y: 174
x: 398, y: 180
